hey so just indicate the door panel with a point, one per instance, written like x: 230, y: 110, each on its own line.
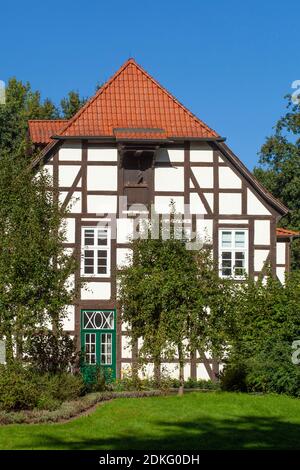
x: 98, y: 341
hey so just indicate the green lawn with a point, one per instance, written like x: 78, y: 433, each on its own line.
x: 195, y: 421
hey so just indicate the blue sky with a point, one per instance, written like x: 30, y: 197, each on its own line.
x: 230, y: 62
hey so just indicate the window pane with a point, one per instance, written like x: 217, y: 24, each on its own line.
x: 226, y: 272
x: 226, y: 239
x: 239, y: 255
x: 239, y: 239
x: 226, y: 255
x: 102, y: 237
x: 89, y: 237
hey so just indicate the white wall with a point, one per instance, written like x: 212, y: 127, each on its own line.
x: 70, y: 151
x: 169, y: 179
x: 204, y: 176
x: 280, y: 252
x: 228, y: 179
x: 102, y: 178
x: 102, y: 154
x: 255, y: 207
x: 261, y: 232
x: 230, y: 203
x: 96, y: 290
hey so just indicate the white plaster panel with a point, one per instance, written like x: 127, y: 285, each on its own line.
x: 204, y: 176
x: 102, y: 154
x: 233, y: 221
x: 228, y: 179
x: 74, y: 204
x: 255, y: 207
x: 201, y: 153
x: 102, y: 178
x: 70, y: 282
x: 210, y: 199
x: 124, y: 230
x: 280, y: 273
x: 147, y: 371
x: 261, y: 232
x: 260, y: 257
x: 49, y: 170
x: 176, y: 155
x: 69, y: 319
x: 171, y: 370
x: 102, y: 204
x: 205, y: 229
x: 70, y: 230
x: 169, y: 179
x: 125, y: 368
x: 230, y: 203
x: 126, y: 347
x: 70, y: 151
x: 187, y: 371
x: 192, y: 184
x: 169, y: 155
x: 202, y: 372
x: 96, y: 290
x: 67, y: 175
x: 196, y: 205
x: 162, y: 204
x: 280, y: 253
x: 124, y: 256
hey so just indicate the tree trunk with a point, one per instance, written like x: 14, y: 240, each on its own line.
x: 8, y: 345
x: 181, y: 370
x: 19, y: 345
x: 157, y: 374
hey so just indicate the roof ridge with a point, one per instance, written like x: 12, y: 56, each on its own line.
x: 98, y: 93
x: 181, y: 105
x: 132, y: 61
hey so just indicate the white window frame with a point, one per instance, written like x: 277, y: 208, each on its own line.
x: 95, y: 249
x: 233, y: 249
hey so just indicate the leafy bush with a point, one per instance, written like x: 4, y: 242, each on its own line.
x: 16, y: 391
x: 95, y: 378
x: 23, y: 389
x: 233, y: 377
x: 272, y: 370
x: 49, y: 352
x: 268, y: 370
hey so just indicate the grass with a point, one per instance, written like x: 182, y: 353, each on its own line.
x: 193, y: 422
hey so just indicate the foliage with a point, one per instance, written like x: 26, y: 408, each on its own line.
x: 71, y: 104
x: 263, y: 324
x: 173, y: 298
x: 24, y: 389
x: 279, y: 169
x: 35, y: 268
x: 96, y: 378
x: 51, y: 352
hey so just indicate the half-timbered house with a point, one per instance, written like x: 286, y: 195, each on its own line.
x: 134, y: 139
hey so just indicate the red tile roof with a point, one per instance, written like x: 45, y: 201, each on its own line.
x: 133, y: 100
x: 282, y: 232
x: 41, y: 130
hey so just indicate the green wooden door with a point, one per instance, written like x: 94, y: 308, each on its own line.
x: 98, y: 342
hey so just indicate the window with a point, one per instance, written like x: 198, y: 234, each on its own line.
x: 96, y: 252
x: 90, y: 348
x: 233, y: 253
x: 106, y: 343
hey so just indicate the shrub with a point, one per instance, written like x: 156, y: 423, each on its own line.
x: 49, y: 352
x: 16, y: 391
x: 24, y: 389
x: 95, y: 378
x: 271, y: 369
x: 233, y: 377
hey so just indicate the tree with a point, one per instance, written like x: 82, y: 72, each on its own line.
x: 71, y: 104
x: 172, y: 298
x: 279, y: 169
x: 34, y: 267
